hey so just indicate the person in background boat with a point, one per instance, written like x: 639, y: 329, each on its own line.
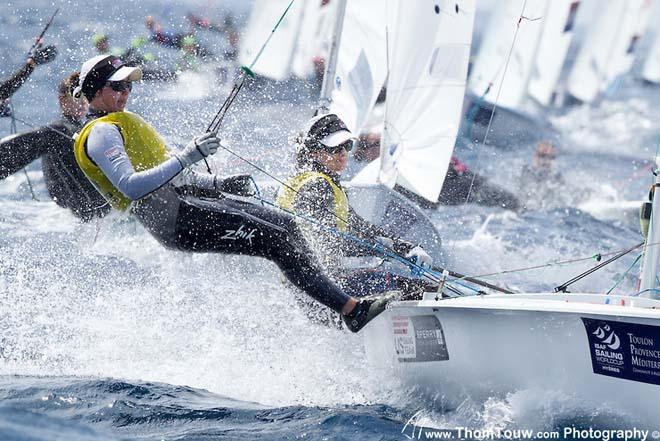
x: 540, y: 185
x: 315, y: 192
x: 53, y: 143
x: 131, y: 166
x: 187, y: 59
x: 134, y: 56
x: 228, y: 28
x: 460, y: 182
x: 40, y: 55
x: 172, y: 39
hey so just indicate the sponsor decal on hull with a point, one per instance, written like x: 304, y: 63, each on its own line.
x: 624, y: 350
x: 419, y: 338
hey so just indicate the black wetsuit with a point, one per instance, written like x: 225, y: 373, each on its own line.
x: 8, y: 87
x: 179, y: 217
x: 66, y: 183
x: 11, y: 85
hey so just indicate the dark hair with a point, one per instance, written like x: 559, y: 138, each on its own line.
x: 69, y: 83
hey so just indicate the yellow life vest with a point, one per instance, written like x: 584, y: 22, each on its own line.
x: 287, y: 198
x: 144, y: 147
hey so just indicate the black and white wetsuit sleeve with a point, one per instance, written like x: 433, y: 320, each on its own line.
x: 11, y: 85
x: 18, y: 151
x: 105, y: 146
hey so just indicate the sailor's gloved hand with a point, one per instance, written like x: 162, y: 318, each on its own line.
x: 240, y: 185
x: 43, y: 54
x: 198, y: 149
x: 420, y: 257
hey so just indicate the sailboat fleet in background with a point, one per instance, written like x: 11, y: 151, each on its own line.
x: 609, y: 48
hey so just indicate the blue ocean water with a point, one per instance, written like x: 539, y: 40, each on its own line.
x: 106, y: 335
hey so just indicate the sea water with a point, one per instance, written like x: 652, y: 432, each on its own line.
x: 104, y: 334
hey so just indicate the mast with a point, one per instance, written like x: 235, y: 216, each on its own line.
x: 651, y: 253
x: 331, y: 62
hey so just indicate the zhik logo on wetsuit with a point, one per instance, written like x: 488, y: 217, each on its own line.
x: 241, y: 233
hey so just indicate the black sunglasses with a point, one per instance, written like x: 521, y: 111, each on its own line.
x: 120, y: 86
x: 348, y: 146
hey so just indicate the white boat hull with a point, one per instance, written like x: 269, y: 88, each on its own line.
x: 480, y: 347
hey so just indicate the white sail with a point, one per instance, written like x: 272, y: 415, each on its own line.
x: 313, y: 36
x: 491, y: 77
x: 429, y: 49
x: 651, y: 69
x: 361, y: 62
x: 609, y: 48
x: 558, y: 24
x: 275, y: 62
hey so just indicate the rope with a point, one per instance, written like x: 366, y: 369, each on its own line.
x: 430, y: 274
x: 562, y: 287
x: 624, y: 275
x: 374, y: 246
x: 648, y: 290
x: 499, y: 91
x: 596, y: 256
x: 13, y: 131
x: 219, y: 117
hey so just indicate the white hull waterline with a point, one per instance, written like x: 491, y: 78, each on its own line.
x: 603, y: 351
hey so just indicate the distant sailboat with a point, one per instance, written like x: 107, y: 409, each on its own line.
x: 429, y: 48
x: 298, y: 40
x: 517, y: 69
x: 651, y: 68
x: 609, y: 48
x: 357, y: 72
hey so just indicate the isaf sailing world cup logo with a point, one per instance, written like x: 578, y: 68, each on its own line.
x: 608, y: 337
x: 606, y: 347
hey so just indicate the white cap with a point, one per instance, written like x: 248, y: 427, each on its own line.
x: 336, y: 138
x: 331, y: 132
x: 100, y: 69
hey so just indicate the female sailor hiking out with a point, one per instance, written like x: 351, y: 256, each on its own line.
x: 330, y: 224
x: 132, y: 168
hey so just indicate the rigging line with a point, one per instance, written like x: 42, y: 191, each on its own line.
x: 474, y: 280
x: 375, y: 246
x: 618, y: 282
x: 238, y: 84
x: 656, y: 290
x: 497, y: 97
x: 563, y: 286
x: 13, y: 131
x: 557, y: 263
x: 37, y: 40
x: 432, y: 274
x: 47, y: 126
